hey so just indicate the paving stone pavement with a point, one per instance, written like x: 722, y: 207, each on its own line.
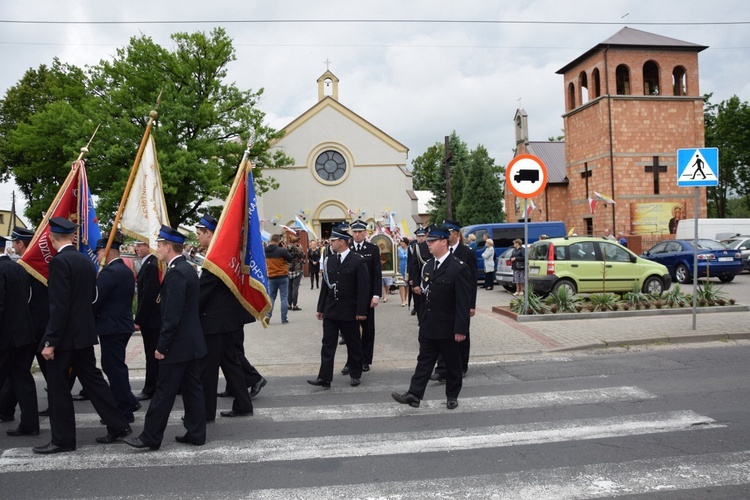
x: 294, y: 348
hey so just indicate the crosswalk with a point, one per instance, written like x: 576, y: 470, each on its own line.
x: 394, y: 437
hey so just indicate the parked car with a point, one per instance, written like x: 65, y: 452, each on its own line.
x: 504, y: 271
x: 741, y: 244
x: 589, y: 264
x: 714, y: 259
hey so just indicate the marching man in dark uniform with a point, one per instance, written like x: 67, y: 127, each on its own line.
x: 371, y: 254
x: 179, y: 349
x: 222, y: 317
x: 17, y: 346
x: 419, y: 254
x: 343, y: 303
x: 114, y: 323
x: 148, y: 315
x: 445, y: 320
x: 69, y: 343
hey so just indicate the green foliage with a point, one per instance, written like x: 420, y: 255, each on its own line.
x: 635, y: 296
x: 675, y: 297
x: 482, y: 194
x: 536, y: 305
x: 708, y: 291
x: 564, y: 300
x: 604, y: 301
x: 202, y: 131
x: 427, y: 167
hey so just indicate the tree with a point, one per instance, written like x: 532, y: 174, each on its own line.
x: 458, y: 163
x: 203, y: 128
x: 482, y: 196
x: 427, y: 166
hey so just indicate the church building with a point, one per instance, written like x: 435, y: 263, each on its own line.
x: 344, y: 168
x: 631, y: 102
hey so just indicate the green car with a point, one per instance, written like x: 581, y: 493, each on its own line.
x: 586, y: 264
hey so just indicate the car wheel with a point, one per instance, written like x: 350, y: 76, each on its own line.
x: 681, y: 274
x: 565, y: 284
x: 653, y: 286
x: 510, y: 288
x: 726, y: 278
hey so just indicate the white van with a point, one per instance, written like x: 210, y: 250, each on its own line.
x: 713, y: 229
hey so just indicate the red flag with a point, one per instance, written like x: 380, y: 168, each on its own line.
x: 592, y: 204
x: 73, y: 201
x: 236, y: 254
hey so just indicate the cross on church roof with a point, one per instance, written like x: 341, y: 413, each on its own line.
x: 327, y: 62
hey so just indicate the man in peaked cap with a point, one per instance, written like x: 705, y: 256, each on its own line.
x: 371, y: 254
x: 17, y: 344
x: 222, y: 319
x: 446, y: 288
x: 148, y: 314
x: 342, y: 304
x: 419, y: 254
x: 69, y: 341
x: 114, y: 323
x: 179, y: 350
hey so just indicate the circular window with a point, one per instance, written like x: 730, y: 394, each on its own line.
x: 330, y: 166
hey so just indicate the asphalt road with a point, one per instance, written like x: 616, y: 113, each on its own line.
x: 649, y: 423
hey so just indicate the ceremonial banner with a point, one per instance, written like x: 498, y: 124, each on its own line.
x: 145, y: 209
x: 305, y: 227
x: 73, y: 201
x: 236, y: 254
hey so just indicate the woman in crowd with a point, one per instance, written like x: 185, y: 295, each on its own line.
x: 403, y: 255
x: 489, y: 264
x: 518, y: 259
x: 313, y: 260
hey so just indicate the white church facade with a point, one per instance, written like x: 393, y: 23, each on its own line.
x: 343, y: 166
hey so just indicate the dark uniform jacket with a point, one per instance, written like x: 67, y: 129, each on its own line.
x: 148, y: 314
x: 114, y: 304
x: 349, y: 293
x: 447, y: 293
x: 72, y: 291
x: 15, y: 319
x: 39, y: 308
x: 469, y: 257
x: 181, y: 337
x: 220, y: 311
x: 371, y: 254
x: 419, y: 253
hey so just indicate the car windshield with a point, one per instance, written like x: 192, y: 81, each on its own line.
x: 710, y: 245
x: 733, y: 244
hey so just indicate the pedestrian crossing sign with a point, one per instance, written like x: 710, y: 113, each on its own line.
x: 697, y: 167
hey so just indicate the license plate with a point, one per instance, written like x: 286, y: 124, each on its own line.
x: 533, y: 271
x: 726, y: 259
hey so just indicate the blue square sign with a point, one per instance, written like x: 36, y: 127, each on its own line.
x: 697, y: 167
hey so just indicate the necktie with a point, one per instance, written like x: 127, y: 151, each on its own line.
x: 359, y: 247
x: 338, y: 255
x: 437, y: 264
x: 451, y: 250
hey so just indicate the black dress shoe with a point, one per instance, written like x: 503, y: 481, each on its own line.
x: 7, y: 418
x: 345, y: 370
x: 413, y: 312
x: 406, y: 398
x: 44, y: 413
x: 365, y: 367
x: 225, y: 394
x: 138, y: 406
x: 342, y: 341
x: 440, y: 377
x: 136, y: 442
x: 112, y: 437
x: 186, y: 440
x: 354, y: 382
x: 452, y: 403
x: 257, y: 387
x: 320, y: 383
x: 81, y: 396
x: 52, y: 448
x: 21, y: 432
x: 142, y: 396
x: 232, y: 413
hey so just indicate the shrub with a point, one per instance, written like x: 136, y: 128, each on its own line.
x: 604, y: 301
x: 563, y: 300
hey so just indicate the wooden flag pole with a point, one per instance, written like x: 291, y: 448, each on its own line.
x: 151, y: 117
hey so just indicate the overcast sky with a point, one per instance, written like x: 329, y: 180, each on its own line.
x: 416, y: 81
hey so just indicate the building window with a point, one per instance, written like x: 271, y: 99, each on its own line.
x: 330, y: 166
x: 571, y: 96
x: 595, y: 80
x: 589, y: 222
x: 650, y: 78
x: 583, y: 81
x: 679, y: 81
x: 622, y: 75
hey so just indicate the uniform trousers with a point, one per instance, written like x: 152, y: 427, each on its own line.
x: 418, y: 301
x: 464, y: 348
x: 252, y: 376
x: 113, y: 347
x: 150, y: 340
x: 222, y: 352
x: 8, y: 398
x: 173, y: 376
x: 62, y: 415
x: 350, y: 331
x: 428, y: 354
x: 15, y: 369
x: 368, y: 336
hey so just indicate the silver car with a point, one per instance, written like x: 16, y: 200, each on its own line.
x: 503, y: 271
x: 742, y: 245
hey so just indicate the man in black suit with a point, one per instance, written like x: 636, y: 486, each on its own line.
x: 342, y: 304
x: 179, y: 350
x: 418, y: 255
x: 148, y: 315
x: 371, y: 254
x: 69, y: 343
x: 445, y: 320
x: 221, y: 316
x: 113, y: 310
x: 17, y: 345
x: 39, y: 309
x: 458, y: 248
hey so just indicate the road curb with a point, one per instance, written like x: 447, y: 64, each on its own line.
x: 684, y: 339
x: 616, y: 314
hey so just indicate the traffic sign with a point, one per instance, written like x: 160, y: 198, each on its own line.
x: 697, y: 167
x: 526, y: 176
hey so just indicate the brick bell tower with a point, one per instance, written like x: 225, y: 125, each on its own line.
x: 630, y: 103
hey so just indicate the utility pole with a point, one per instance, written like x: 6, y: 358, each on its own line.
x: 447, y: 166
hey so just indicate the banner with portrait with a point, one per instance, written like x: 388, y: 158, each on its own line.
x: 656, y: 217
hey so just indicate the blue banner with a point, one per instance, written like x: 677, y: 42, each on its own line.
x: 255, y: 256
